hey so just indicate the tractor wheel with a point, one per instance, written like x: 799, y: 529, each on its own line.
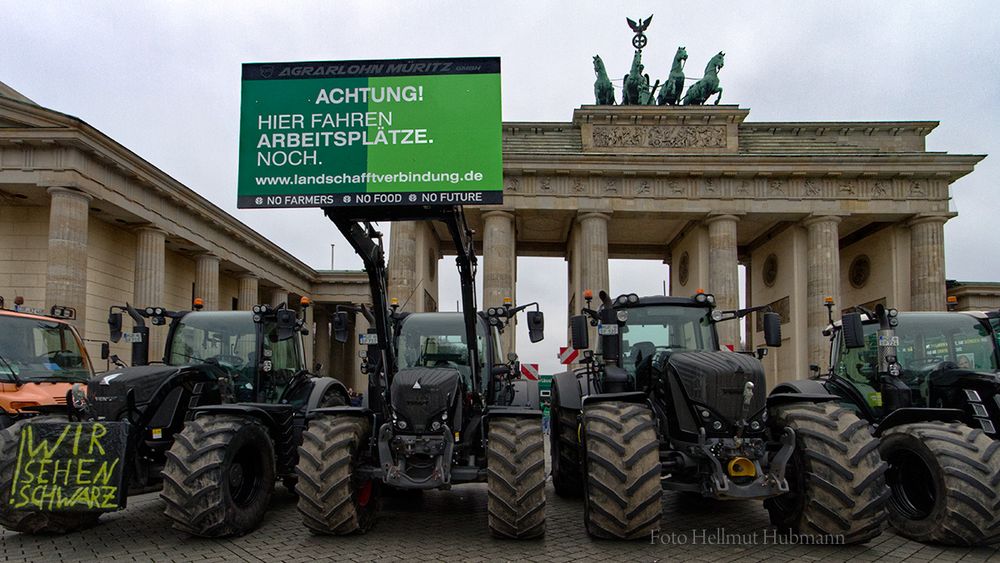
x: 219, y: 476
x: 32, y: 521
x: 564, y: 450
x: 943, y: 478
x: 515, y: 461
x: 333, y: 499
x: 623, y: 489
x: 836, y: 478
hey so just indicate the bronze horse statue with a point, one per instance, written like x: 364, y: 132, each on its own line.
x: 670, y: 93
x: 604, y: 92
x: 633, y: 81
x: 699, y: 93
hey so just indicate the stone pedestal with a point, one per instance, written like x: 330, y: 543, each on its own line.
x: 723, y: 273
x: 206, y: 280
x: 249, y: 294
x: 927, y: 285
x: 66, y: 272
x: 500, y: 265
x: 822, y: 281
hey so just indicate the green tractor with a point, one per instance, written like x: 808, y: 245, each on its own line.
x: 660, y: 406
x: 928, y: 384
x: 216, y: 424
x: 442, y: 408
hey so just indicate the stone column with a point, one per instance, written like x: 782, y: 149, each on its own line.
x: 249, y: 292
x: 277, y: 296
x: 150, y: 276
x: 593, y: 258
x: 927, y: 285
x: 321, y: 354
x: 150, y: 267
x: 403, y: 264
x: 822, y: 280
x: 206, y: 280
x: 500, y: 264
x: 594, y: 251
x: 66, y: 273
x: 723, y: 273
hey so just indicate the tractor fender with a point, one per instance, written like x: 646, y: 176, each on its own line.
x: 802, y: 391
x: 320, y: 386
x: 910, y: 415
x: 525, y: 394
x: 237, y: 410
x: 637, y: 397
x: 567, y: 386
x: 513, y: 412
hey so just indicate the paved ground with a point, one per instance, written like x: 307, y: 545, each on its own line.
x: 451, y: 525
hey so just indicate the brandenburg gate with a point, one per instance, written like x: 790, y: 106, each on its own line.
x: 849, y: 210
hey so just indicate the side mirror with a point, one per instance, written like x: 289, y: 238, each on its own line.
x: 772, y: 329
x: 115, y: 326
x: 500, y: 371
x: 579, y: 332
x: 340, y: 326
x: 105, y: 350
x: 854, y: 330
x: 287, y: 323
x: 536, y: 326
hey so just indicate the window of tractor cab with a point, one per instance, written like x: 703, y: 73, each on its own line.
x: 664, y: 327
x: 438, y: 340
x: 285, y: 354
x: 39, y: 350
x: 926, y: 340
x: 226, y: 338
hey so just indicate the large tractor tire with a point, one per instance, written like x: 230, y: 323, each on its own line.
x: 623, y: 491
x: 333, y: 499
x: 515, y: 460
x: 565, y: 450
x: 836, y: 477
x: 32, y: 521
x: 219, y: 476
x: 944, y: 481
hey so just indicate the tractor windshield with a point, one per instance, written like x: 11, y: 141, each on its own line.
x: 226, y: 338
x: 438, y: 340
x: 665, y: 327
x: 927, y: 342
x: 41, y: 350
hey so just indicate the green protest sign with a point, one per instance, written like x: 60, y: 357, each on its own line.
x: 391, y: 132
x: 74, y: 466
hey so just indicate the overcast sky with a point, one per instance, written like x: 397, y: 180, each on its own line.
x: 163, y: 79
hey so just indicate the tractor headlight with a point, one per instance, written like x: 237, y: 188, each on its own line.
x: 700, y: 298
x: 716, y: 315
x: 256, y: 310
x: 622, y: 316
x: 435, y: 426
x: 633, y: 298
x: 401, y: 424
x: 149, y: 311
x: 710, y: 299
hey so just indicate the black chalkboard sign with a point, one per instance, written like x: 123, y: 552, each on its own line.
x: 70, y: 466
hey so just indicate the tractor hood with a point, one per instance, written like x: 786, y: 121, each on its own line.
x: 717, y: 380
x: 32, y: 394
x: 107, y: 392
x: 422, y: 395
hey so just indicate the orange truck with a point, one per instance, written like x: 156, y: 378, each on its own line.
x: 41, y: 357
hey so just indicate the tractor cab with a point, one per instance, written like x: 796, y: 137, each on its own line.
x: 940, y: 360
x: 41, y: 357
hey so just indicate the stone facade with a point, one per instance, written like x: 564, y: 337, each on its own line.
x: 86, y: 223
x: 703, y: 190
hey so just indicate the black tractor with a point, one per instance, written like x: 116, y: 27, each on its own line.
x: 928, y: 384
x: 660, y: 406
x: 215, y: 424
x: 442, y: 407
